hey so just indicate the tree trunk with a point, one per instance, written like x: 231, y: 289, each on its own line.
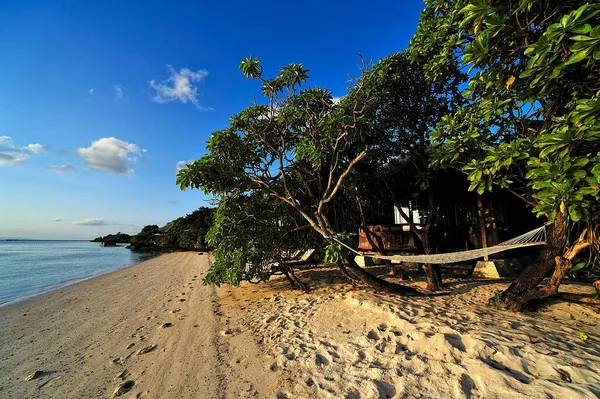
x: 292, y: 278
x: 375, y: 282
x: 482, y: 230
x: 433, y: 273
x: 554, y: 259
x: 346, y: 273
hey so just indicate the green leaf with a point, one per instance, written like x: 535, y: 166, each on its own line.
x: 578, y: 267
x: 577, y: 57
x: 575, y: 213
x: 585, y: 28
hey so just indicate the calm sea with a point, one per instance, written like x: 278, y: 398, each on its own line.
x: 28, y: 268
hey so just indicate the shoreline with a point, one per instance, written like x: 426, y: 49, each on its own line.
x: 69, y: 283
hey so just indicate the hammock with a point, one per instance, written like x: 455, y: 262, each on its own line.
x: 530, y: 239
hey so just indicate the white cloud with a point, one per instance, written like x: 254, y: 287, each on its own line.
x: 336, y: 100
x: 110, y: 154
x: 91, y: 222
x: 91, y: 91
x: 118, y: 92
x: 35, y: 148
x: 182, y: 165
x: 57, y: 220
x: 179, y: 87
x: 62, y: 168
x: 12, y: 155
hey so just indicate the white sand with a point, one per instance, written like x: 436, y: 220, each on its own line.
x: 335, y: 343
x: 266, y: 341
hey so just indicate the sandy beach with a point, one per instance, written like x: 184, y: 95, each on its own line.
x: 86, y: 338
x: 267, y: 341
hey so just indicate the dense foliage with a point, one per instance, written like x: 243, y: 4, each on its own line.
x: 188, y: 232
x: 146, y: 239
x: 252, y: 235
x: 531, y: 121
x: 184, y: 233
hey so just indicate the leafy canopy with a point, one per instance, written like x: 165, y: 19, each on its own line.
x: 294, y: 146
x: 531, y: 123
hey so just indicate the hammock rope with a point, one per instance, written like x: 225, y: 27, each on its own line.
x: 529, y: 239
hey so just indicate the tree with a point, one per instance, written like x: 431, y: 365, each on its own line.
x: 531, y: 122
x: 114, y: 239
x: 295, y: 147
x: 251, y: 235
x: 402, y: 109
x: 188, y: 232
x: 145, y: 239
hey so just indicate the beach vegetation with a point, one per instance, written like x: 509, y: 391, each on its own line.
x: 114, y: 239
x: 145, y: 239
x: 253, y: 237
x: 186, y: 233
x: 530, y: 124
x: 299, y: 147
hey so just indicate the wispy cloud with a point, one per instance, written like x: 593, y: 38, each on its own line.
x: 62, y: 168
x: 182, y: 165
x: 13, y: 155
x: 57, y: 220
x: 111, y: 155
x: 118, y: 92
x: 91, y: 222
x: 91, y: 91
x: 179, y: 87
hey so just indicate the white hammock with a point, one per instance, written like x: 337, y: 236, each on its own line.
x: 530, y: 239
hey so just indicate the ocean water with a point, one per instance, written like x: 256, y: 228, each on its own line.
x: 29, y: 268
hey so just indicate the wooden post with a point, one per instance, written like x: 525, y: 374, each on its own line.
x: 482, y: 225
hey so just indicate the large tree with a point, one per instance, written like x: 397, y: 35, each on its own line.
x: 531, y: 122
x: 402, y: 108
x: 296, y: 146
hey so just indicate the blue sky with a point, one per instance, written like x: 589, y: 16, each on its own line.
x: 100, y: 100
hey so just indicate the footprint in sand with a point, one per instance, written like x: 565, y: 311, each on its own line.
x: 321, y: 360
x: 385, y: 389
x: 124, y: 388
x: 147, y: 349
